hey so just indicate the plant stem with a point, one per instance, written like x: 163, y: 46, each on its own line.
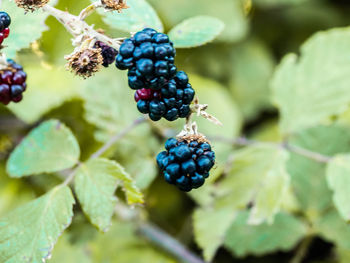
x: 302, y: 250
x: 243, y: 141
x: 168, y: 243
x: 117, y: 137
x: 105, y: 147
x: 78, y: 27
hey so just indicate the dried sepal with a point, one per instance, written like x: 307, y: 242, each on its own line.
x: 85, y: 62
x: 31, y: 5
x: 116, y: 5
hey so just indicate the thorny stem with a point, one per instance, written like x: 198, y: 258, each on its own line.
x: 78, y: 28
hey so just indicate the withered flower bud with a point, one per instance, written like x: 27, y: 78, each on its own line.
x: 85, y: 62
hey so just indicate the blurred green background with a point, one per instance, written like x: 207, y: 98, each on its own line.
x: 231, y: 74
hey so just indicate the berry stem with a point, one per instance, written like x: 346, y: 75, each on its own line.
x: 89, y: 10
x: 79, y: 29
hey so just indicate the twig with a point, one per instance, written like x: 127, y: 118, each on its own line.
x: 117, y: 137
x: 302, y: 250
x: 243, y: 141
x: 105, y: 147
x: 79, y: 28
x: 168, y: 243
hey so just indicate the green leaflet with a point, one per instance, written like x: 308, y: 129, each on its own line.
x: 228, y: 11
x: 338, y: 178
x: 51, y: 147
x: 251, y: 70
x: 196, y: 31
x: 95, y: 184
x: 25, y: 28
x: 243, y: 239
x: 258, y: 175
x: 139, y: 15
x: 208, y: 237
x: 29, y: 233
x: 313, y: 87
x: 308, y: 176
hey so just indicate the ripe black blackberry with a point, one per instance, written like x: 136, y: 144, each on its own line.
x: 171, y: 102
x: 12, y: 83
x: 108, y: 53
x: 186, y: 162
x: 149, y: 57
x: 5, y: 22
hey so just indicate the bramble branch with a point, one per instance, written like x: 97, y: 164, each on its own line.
x: 79, y: 29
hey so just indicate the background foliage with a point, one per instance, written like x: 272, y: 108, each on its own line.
x: 278, y: 72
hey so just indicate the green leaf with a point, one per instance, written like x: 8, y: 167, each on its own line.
x: 25, y: 28
x: 311, y: 88
x: 29, y: 233
x: 95, y: 184
x: 283, y: 234
x: 333, y: 228
x: 229, y: 11
x: 196, y: 31
x: 210, y: 238
x: 258, y: 175
x: 47, y: 88
x: 308, y: 176
x: 338, y: 178
x: 252, y: 68
x: 138, y: 16
x: 51, y: 147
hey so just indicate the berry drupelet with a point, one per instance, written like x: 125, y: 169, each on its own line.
x: 12, y: 83
x: 108, y: 53
x: 149, y: 57
x: 171, y: 102
x: 5, y: 22
x: 186, y: 162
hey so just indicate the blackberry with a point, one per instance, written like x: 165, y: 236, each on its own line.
x: 12, y: 83
x: 186, y: 162
x: 108, y: 53
x: 171, y: 102
x: 149, y: 57
x: 5, y: 22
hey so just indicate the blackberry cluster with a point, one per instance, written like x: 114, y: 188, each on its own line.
x: 5, y: 22
x: 172, y: 101
x: 108, y: 53
x: 149, y: 56
x: 12, y: 83
x: 186, y: 163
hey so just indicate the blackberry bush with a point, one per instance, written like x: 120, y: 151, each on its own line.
x: 149, y: 57
x: 171, y: 102
x: 12, y: 83
x: 186, y: 162
x: 5, y: 22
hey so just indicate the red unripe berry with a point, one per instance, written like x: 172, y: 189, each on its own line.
x: 2, y: 37
x: 6, y: 32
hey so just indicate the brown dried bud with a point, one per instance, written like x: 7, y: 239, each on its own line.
x: 85, y: 62
x: 31, y: 5
x: 117, y: 5
x: 193, y: 137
